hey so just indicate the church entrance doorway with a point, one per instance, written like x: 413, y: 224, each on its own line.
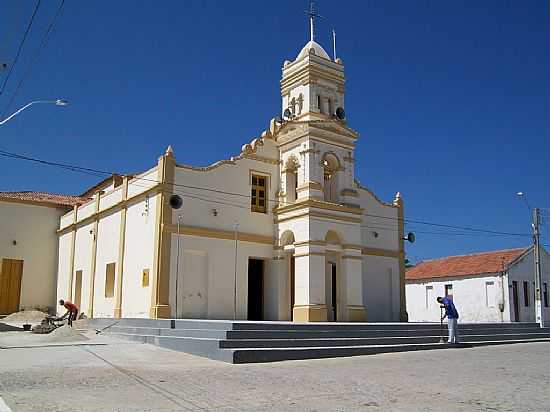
x: 332, y: 302
x: 255, y: 289
x: 292, y: 285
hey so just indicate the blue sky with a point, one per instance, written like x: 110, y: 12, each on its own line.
x: 451, y: 99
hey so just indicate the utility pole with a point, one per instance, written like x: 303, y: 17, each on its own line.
x: 538, y: 273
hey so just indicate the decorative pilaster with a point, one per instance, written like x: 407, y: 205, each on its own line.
x: 160, y: 306
x: 94, y: 257
x: 310, y: 187
x: 398, y: 202
x: 121, y: 245
x: 352, y: 268
x: 310, y: 300
x: 71, y: 256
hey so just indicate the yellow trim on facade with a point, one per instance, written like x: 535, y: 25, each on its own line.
x: 353, y: 257
x: 349, y: 193
x: 301, y: 204
x: 310, y: 243
x: 71, y: 257
x: 117, y: 312
x: 371, y: 251
x: 356, y: 313
x: 109, y: 210
x: 297, y: 255
x: 218, y: 234
x: 309, y: 313
x: 352, y: 246
x: 309, y: 186
x: 160, y: 304
x: 94, y: 258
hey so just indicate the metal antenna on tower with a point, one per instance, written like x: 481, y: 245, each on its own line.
x: 312, y: 13
x: 334, y: 43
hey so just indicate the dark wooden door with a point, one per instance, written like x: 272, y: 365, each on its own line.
x: 334, y: 292
x: 255, y: 289
x: 10, y: 285
x: 292, y: 285
x: 516, y: 300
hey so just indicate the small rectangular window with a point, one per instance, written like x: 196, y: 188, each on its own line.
x: 145, y: 278
x: 449, y: 291
x: 429, y: 295
x: 545, y: 294
x: 526, y: 293
x: 110, y: 280
x: 490, y: 294
x: 258, y: 197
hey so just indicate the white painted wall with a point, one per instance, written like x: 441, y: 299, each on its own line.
x: 381, y: 288
x: 207, y: 273
x: 471, y: 297
x: 476, y: 298
x: 34, y: 228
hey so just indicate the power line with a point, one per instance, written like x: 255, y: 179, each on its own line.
x: 97, y: 172
x: 20, y: 46
x: 42, y: 45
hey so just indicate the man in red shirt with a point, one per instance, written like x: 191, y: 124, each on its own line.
x: 72, y: 311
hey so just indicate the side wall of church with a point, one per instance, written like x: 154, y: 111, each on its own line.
x: 380, y: 240
x: 208, y: 252
x: 87, y: 264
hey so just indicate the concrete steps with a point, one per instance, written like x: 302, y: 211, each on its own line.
x: 246, y: 342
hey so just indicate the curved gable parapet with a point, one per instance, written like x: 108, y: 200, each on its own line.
x: 370, y: 192
x: 258, y: 149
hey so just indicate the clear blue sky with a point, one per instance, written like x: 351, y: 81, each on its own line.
x: 451, y: 99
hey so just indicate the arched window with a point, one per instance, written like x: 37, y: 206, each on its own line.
x: 291, y: 178
x: 319, y: 103
x: 331, y: 165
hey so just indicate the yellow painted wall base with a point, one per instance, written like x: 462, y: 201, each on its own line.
x: 117, y: 313
x: 309, y: 314
x: 357, y: 314
x: 160, y: 311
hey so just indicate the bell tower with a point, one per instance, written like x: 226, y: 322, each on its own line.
x: 312, y: 86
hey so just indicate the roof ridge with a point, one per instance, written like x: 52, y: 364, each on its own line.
x: 475, y: 254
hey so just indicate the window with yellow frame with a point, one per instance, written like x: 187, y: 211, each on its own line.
x: 258, y: 197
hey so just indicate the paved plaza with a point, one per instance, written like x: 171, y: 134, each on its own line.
x: 121, y: 376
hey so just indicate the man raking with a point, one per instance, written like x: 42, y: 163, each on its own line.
x: 452, y: 318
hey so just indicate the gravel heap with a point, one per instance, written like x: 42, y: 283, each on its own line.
x: 25, y: 316
x: 64, y: 334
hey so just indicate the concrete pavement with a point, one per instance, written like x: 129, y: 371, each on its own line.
x: 122, y: 376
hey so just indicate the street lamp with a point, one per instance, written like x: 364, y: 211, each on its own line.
x: 535, y: 224
x: 58, y: 102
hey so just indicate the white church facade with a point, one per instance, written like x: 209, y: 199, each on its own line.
x: 283, y: 231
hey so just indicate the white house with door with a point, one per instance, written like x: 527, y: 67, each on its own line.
x: 496, y: 286
x: 28, y: 248
x: 281, y: 231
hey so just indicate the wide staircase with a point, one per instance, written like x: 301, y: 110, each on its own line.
x: 246, y: 341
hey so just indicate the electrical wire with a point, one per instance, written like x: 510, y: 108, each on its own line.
x: 42, y: 45
x: 97, y: 172
x: 20, y: 46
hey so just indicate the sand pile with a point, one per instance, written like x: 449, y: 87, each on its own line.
x: 25, y: 316
x: 64, y: 334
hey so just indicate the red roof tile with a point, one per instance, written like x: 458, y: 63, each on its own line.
x: 48, y: 199
x: 487, y: 262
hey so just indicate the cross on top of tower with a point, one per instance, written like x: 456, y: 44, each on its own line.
x: 313, y: 14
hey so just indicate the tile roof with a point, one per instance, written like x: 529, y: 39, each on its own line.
x: 457, y: 266
x: 47, y: 199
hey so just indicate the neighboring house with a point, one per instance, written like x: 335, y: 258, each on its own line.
x: 306, y: 247
x: 28, y: 248
x: 486, y: 287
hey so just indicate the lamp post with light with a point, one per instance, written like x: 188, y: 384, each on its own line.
x: 535, y: 224
x: 58, y: 102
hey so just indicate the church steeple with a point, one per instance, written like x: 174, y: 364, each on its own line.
x: 312, y: 85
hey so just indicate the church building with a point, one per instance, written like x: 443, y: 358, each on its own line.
x: 282, y: 231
